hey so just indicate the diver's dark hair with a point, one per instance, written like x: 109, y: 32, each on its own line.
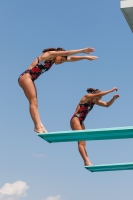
x: 54, y: 49
x: 49, y: 49
x: 92, y: 90
x: 60, y: 49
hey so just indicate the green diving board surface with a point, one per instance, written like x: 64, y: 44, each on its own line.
x: 91, y: 134
x: 110, y: 167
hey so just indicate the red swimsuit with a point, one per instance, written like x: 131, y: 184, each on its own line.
x: 41, y: 67
x: 83, y: 111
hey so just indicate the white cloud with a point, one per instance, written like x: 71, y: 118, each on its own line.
x: 58, y: 197
x: 13, y: 191
x: 38, y: 155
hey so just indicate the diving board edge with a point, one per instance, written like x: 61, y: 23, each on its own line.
x: 91, y: 134
x: 110, y: 167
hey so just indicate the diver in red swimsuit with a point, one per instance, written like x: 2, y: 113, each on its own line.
x: 40, y: 65
x: 84, y: 107
x: 83, y: 111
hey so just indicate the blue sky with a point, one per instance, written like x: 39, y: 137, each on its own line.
x: 42, y: 171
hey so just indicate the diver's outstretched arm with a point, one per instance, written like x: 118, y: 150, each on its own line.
x: 109, y: 103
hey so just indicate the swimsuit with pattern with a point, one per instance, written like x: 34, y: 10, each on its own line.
x: 83, y: 111
x: 41, y: 67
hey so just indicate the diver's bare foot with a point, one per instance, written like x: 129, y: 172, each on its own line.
x: 39, y: 130
x: 88, y: 164
x: 43, y: 128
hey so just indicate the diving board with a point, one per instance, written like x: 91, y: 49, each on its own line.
x: 110, y: 167
x: 127, y: 10
x: 91, y: 134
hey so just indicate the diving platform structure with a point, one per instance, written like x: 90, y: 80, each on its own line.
x: 126, y: 7
x: 110, y: 167
x: 90, y: 135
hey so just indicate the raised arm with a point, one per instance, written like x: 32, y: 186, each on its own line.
x: 101, y: 93
x: 109, y: 103
x: 51, y: 54
x: 77, y: 58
